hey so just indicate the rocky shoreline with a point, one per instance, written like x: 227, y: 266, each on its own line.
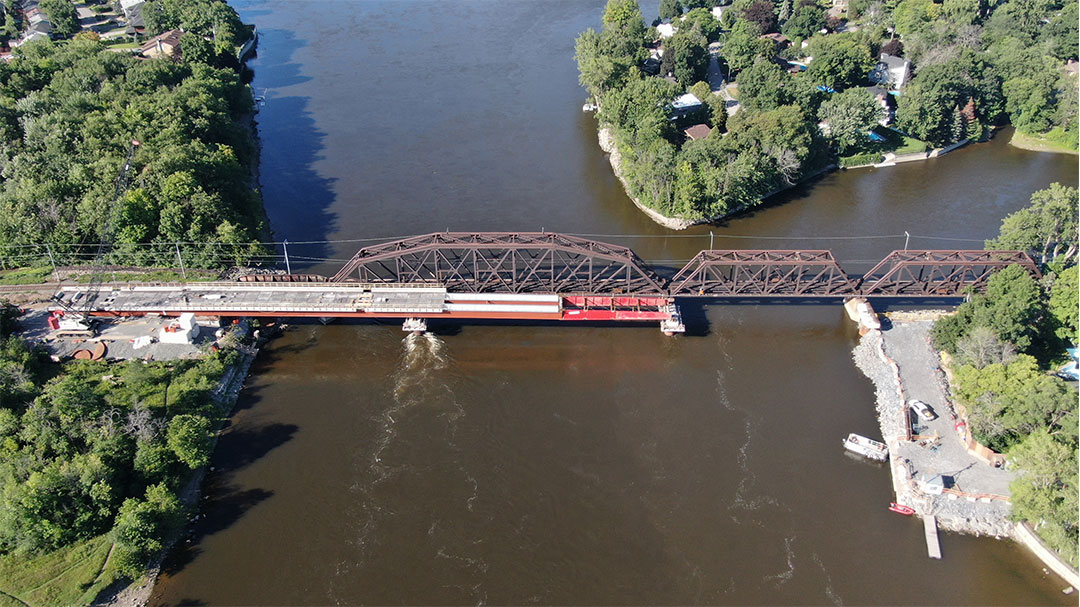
x: 607, y: 143
x: 958, y: 511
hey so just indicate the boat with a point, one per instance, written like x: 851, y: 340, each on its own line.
x: 866, y: 447
x: 902, y: 509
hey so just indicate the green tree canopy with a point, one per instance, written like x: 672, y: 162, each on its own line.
x: 840, y: 60
x: 1045, y: 493
x: 1064, y: 305
x: 1006, y: 402
x: 850, y: 115
x: 686, y: 56
x: 189, y: 439
x: 1012, y: 307
x: 62, y: 15
x: 1046, y: 229
x: 763, y: 86
x: 670, y: 9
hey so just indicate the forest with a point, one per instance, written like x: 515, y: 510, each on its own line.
x: 89, y: 448
x: 94, y: 457
x: 68, y: 112
x: 976, y: 66
x: 1006, y: 343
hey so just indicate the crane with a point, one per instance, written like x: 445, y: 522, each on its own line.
x: 75, y: 321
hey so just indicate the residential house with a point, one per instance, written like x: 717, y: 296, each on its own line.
x: 780, y: 40
x: 133, y: 15
x: 684, y: 105
x: 698, y: 131
x: 163, y: 45
x: 666, y: 30
x: 881, y: 96
x: 891, y: 71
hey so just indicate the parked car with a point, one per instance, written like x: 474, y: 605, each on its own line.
x: 922, y: 409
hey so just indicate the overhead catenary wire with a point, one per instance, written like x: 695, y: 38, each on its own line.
x: 393, y: 238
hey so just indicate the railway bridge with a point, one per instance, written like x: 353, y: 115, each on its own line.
x: 544, y: 276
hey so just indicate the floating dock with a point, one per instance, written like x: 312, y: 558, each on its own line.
x: 933, y: 547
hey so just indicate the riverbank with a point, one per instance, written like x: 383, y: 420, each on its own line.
x: 1040, y: 144
x: 138, y: 592
x: 974, y: 497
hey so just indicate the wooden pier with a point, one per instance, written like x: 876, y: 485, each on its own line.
x: 933, y: 547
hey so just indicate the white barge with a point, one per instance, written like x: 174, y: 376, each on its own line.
x: 866, y: 447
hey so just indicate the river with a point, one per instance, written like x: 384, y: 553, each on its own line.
x: 507, y: 464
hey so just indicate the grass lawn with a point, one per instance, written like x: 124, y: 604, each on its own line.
x: 154, y: 276
x: 1056, y: 140
x: 25, y: 276
x: 33, y: 276
x: 871, y: 152
x: 73, y: 575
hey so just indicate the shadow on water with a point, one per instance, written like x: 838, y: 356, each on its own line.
x: 228, y: 506
x: 294, y: 193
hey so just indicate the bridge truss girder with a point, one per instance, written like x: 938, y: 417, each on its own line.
x: 504, y: 262
x: 941, y: 273
x: 762, y: 273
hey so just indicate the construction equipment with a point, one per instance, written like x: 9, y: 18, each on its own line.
x: 74, y: 320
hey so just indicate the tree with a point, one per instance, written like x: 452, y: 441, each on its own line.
x: 915, y: 16
x: 1012, y: 307
x: 704, y: 21
x: 982, y: 347
x: 1029, y: 102
x: 850, y: 115
x: 1046, y: 229
x: 686, y: 56
x: 670, y: 9
x: 1064, y: 305
x: 142, y: 527
x: 623, y: 15
x: 196, y: 49
x: 806, y: 22
x: 62, y: 15
x: 927, y: 109
x: 189, y: 438
x: 744, y: 45
x: 717, y: 109
x: 762, y: 86
x: 1006, y: 402
x: 640, y: 107
x: 840, y: 60
x: 1045, y: 492
x: 763, y: 14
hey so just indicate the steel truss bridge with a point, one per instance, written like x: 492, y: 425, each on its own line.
x: 549, y: 276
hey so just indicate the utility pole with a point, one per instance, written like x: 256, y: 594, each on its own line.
x: 48, y: 250
x: 288, y: 268
x: 183, y: 272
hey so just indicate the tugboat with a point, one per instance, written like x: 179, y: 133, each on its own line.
x: 902, y: 509
x: 866, y: 447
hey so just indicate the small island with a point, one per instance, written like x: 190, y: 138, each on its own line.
x: 714, y: 108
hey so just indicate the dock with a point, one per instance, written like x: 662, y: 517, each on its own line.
x: 933, y: 547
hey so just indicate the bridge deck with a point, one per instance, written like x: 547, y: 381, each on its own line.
x: 355, y: 300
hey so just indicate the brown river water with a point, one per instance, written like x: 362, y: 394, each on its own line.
x: 505, y: 464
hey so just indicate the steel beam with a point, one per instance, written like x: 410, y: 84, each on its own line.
x: 505, y: 262
x: 762, y: 273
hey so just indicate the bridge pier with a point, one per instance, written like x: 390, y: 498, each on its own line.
x: 673, y: 324
x: 416, y: 326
